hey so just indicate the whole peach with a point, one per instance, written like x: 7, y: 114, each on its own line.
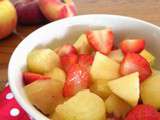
x: 57, y: 9
x: 28, y: 12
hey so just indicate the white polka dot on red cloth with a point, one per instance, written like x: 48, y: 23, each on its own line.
x: 14, y: 112
x: 9, y: 96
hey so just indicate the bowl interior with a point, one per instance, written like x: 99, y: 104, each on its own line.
x: 67, y: 31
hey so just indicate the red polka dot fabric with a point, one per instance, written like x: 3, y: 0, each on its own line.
x: 9, y: 108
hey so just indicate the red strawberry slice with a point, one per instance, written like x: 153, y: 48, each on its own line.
x: 101, y: 40
x: 143, y: 112
x: 68, y: 60
x: 159, y: 114
x: 85, y: 59
x: 67, y: 49
x: 133, y: 62
x: 78, y: 78
x: 132, y: 45
x: 30, y: 77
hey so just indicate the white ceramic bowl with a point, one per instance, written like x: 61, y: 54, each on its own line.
x: 68, y: 30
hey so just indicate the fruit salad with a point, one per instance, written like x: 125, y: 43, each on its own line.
x: 92, y: 79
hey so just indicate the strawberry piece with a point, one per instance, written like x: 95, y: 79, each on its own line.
x: 132, y: 45
x: 143, y: 112
x: 67, y: 49
x: 159, y: 114
x: 133, y: 62
x: 85, y: 59
x: 101, y: 40
x: 78, y: 78
x: 30, y: 77
x: 68, y: 60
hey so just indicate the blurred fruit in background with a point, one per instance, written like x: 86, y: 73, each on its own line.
x: 38, y: 11
x: 57, y: 9
x: 31, y: 12
x: 28, y: 12
x: 8, y: 18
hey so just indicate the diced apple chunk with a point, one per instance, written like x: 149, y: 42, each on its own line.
x: 100, y: 87
x: 116, y: 55
x: 45, y: 94
x: 42, y: 60
x: 148, y: 56
x: 150, y: 90
x: 104, y: 68
x: 127, y: 88
x: 83, y: 106
x: 57, y: 74
x: 82, y: 45
x: 116, y: 106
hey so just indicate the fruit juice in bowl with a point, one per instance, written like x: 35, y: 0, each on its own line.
x: 70, y: 71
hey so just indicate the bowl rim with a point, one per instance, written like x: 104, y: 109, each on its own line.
x: 18, y: 97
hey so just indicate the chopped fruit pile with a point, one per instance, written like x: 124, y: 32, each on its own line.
x: 90, y: 80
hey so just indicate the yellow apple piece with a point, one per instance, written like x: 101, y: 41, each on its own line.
x: 116, y: 106
x: 148, y: 56
x: 104, y: 68
x: 127, y: 88
x: 45, y: 94
x: 42, y: 60
x: 82, y: 45
x: 150, y: 90
x: 116, y: 55
x: 100, y: 87
x: 85, y: 105
x: 8, y: 18
x: 57, y: 74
